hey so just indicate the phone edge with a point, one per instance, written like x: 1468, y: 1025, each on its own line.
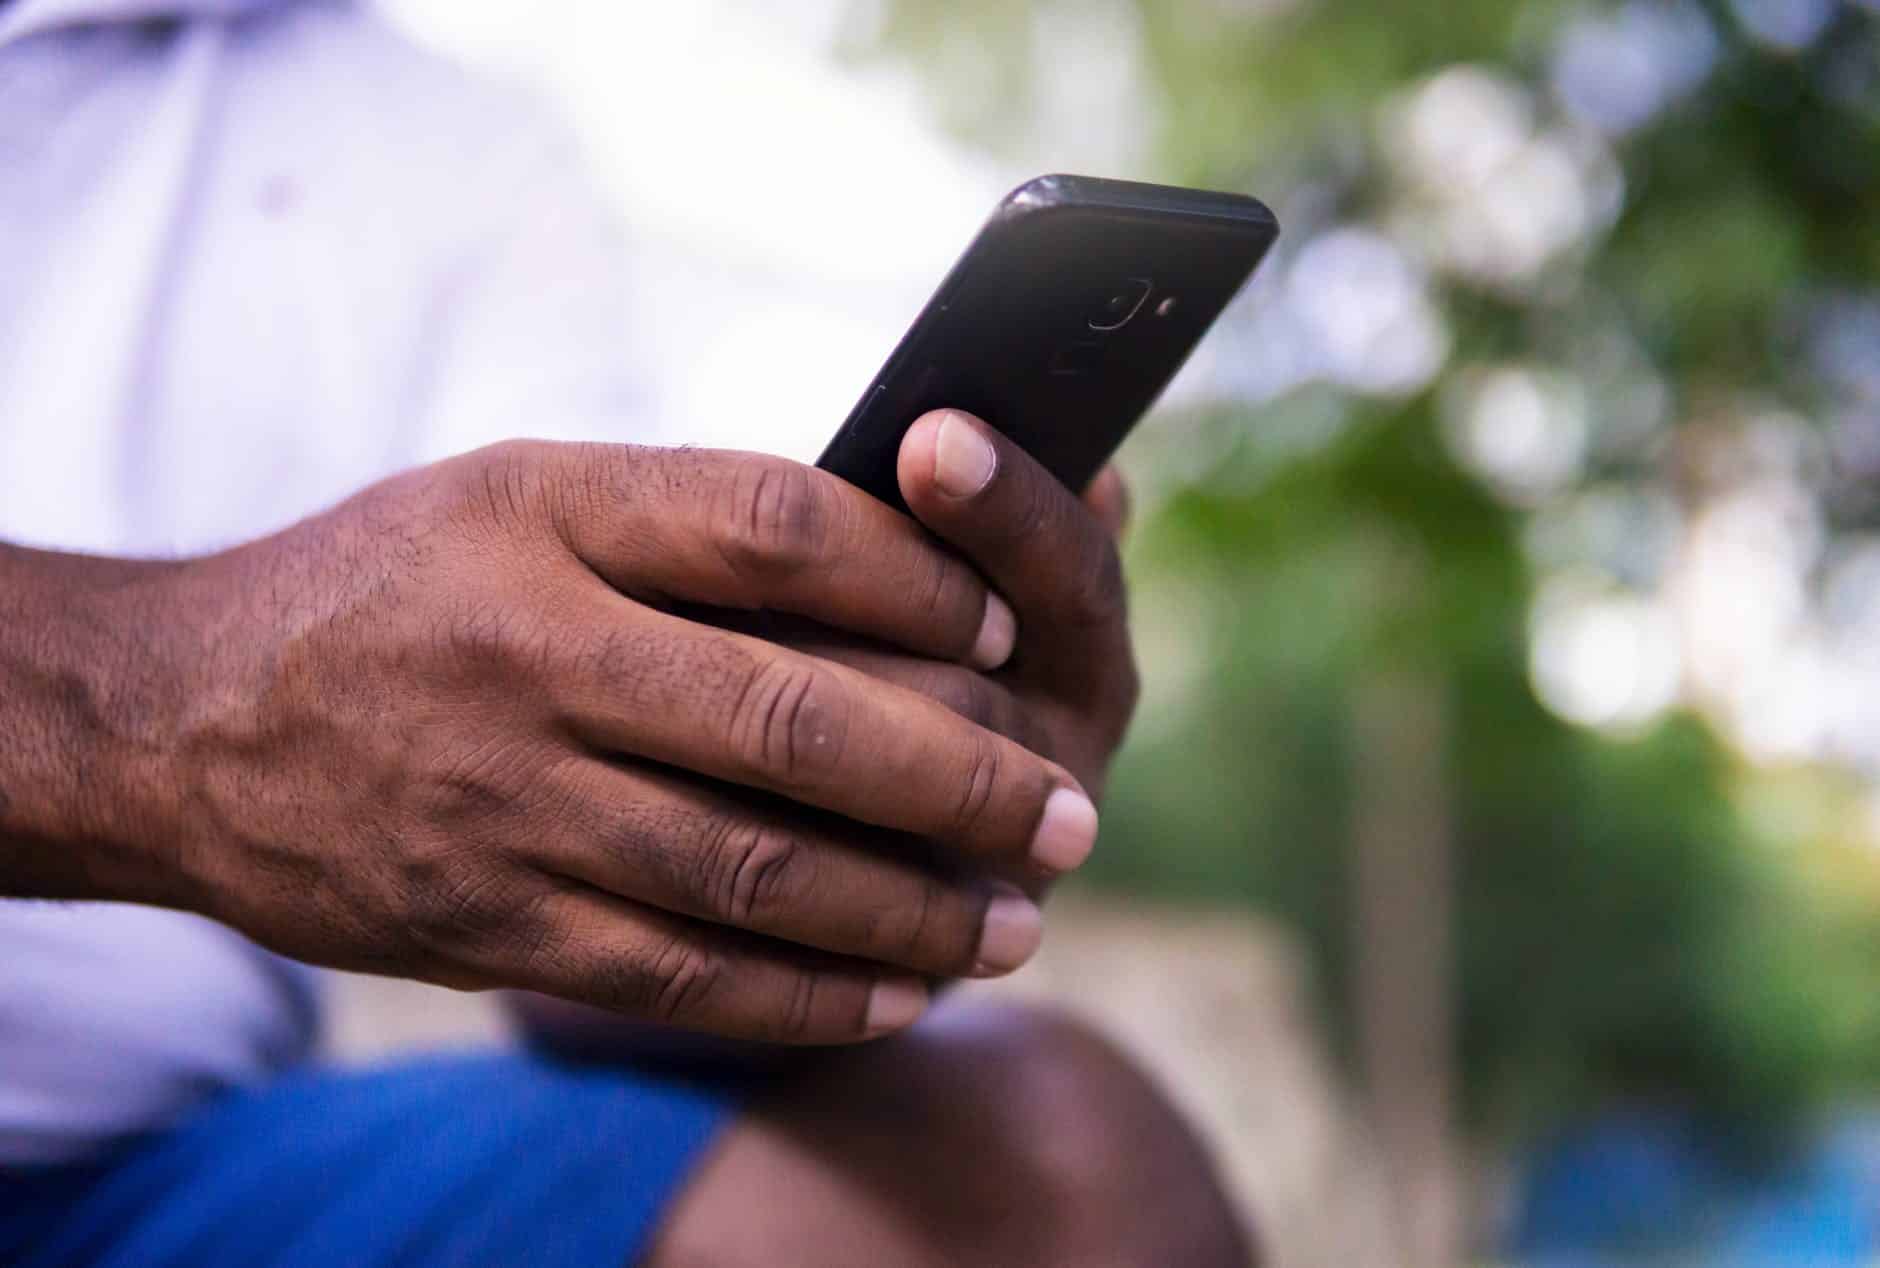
x: 1058, y: 189
x: 1043, y: 194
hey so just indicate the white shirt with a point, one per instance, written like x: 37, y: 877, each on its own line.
x: 253, y: 255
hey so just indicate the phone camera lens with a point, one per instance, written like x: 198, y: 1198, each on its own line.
x: 1119, y: 304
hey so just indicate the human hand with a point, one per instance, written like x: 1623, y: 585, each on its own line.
x: 1067, y: 693
x: 453, y: 730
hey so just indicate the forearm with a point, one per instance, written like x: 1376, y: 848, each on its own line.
x: 87, y: 680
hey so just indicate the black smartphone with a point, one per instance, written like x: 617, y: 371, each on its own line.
x: 1062, y: 323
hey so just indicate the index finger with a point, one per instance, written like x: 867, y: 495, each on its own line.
x: 750, y: 531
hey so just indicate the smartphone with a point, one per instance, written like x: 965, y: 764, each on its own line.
x: 1062, y: 323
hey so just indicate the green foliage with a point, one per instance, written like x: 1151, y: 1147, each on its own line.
x: 1620, y: 934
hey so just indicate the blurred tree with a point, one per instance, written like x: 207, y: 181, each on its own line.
x: 1557, y: 281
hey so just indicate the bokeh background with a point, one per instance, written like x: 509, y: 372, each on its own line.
x: 1494, y: 867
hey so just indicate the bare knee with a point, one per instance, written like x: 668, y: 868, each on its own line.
x: 987, y: 1135
x: 1114, y: 1173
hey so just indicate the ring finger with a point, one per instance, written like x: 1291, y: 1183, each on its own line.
x: 755, y: 863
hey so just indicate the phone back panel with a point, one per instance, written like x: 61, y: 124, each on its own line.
x: 1020, y: 332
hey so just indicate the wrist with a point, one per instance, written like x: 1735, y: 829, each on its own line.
x: 90, y: 690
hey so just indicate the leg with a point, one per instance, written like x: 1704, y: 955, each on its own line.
x: 987, y: 1136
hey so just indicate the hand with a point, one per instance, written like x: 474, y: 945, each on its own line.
x: 451, y: 730
x: 1068, y: 692
x: 1069, y: 689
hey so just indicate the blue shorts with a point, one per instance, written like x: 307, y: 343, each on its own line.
x: 492, y: 1159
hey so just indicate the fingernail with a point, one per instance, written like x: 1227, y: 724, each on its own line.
x: 1011, y: 934
x: 998, y: 631
x: 1066, y: 832
x: 895, y: 1003
x: 962, y: 459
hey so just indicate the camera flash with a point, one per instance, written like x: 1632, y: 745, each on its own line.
x: 1166, y: 307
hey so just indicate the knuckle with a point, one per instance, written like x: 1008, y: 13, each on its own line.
x: 601, y: 476
x: 948, y: 593
x: 606, y: 658
x: 506, y: 482
x: 796, y: 1019
x: 774, y: 523
x: 790, y: 723
x: 749, y: 870
x: 495, y: 637
x: 1031, y: 517
x: 682, y: 979
x: 457, y: 905
x: 480, y: 785
x: 1097, y: 595
x: 540, y: 945
x: 975, y: 796
x: 911, y: 933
